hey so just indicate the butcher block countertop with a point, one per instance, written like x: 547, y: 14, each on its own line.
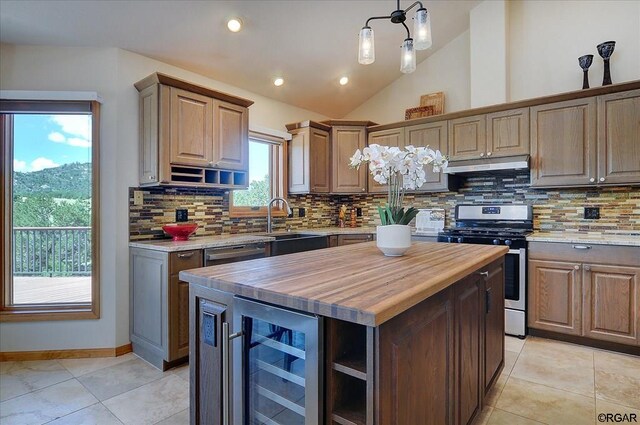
x: 355, y: 283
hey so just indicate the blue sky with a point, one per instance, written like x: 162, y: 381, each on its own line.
x: 46, y: 141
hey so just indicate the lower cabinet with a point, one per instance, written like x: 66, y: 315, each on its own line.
x: 493, y: 325
x: 159, y: 305
x: 588, y: 291
x: 339, y: 240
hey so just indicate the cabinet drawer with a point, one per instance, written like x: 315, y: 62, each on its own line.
x: 185, y: 260
x: 585, y: 253
x: 351, y: 239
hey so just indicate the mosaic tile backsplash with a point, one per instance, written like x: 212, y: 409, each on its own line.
x: 554, y: 209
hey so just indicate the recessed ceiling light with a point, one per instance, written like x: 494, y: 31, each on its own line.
x: 234, y: 24
x: 278, y: 82
x: 344, y: 81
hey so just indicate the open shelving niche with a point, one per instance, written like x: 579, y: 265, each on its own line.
x: 349, y: 365
x: 206, y: 177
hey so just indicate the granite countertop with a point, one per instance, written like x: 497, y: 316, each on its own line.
x: 202, y: 242
x: 355, y: 283
x: 591, y: 238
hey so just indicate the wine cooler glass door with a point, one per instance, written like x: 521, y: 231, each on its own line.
x: 279, y: 367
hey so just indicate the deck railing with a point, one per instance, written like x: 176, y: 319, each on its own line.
x: 52, y: 251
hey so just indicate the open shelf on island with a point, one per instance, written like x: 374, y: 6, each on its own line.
x: 349, y: 401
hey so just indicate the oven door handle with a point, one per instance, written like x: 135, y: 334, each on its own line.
x: 514, y: 251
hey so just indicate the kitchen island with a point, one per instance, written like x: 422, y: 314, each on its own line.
x: 345, y: 335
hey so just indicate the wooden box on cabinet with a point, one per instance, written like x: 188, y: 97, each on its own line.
x: 159, y: 304
x: 191, y: 135
x: 309, y: 158
x: 591, y: 291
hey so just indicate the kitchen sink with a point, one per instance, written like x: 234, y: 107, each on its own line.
x: 288, y: 243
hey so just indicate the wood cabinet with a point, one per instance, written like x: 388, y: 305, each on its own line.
x: 433, y: 135
x: 390, y: 137
x: 590, y: 291
x: 493, y: 325
x: 555, y: 296
x: 508, y: 133
x: 159, y: 303
x: 563, y: 143
x: 309, y: 158
x: 353, y: 239
x: 344, y: 142
x: 619, y: 138
x: 191, y: 135
x: 468, y: 137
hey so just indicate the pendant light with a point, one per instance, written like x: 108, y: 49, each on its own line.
x: 421, y: 29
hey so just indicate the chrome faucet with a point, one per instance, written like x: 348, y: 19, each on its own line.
x: 269, y: 205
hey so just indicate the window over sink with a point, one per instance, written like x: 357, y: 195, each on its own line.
x: 266, y: 178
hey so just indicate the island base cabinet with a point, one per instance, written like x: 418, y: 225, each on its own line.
x: 463, y: 334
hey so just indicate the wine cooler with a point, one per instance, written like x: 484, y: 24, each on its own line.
x: 277, y: 361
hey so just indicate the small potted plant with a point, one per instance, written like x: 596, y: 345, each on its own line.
x: 401, y: 170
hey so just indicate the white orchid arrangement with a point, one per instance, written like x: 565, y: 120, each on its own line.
x: 401, y: 169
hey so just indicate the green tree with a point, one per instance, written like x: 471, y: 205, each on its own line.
x: 258, y: 194
x: 45, y: 211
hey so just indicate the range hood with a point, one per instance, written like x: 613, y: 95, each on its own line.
x: 520, y: 162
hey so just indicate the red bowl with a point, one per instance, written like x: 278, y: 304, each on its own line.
x: 180, y: 232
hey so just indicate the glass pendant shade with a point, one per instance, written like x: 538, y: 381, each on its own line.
x: 366, y: 51
x: 422, y: 30
x: 408, y: 57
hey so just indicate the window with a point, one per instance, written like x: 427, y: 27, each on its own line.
x: 49, y: 210
x: 266, y: 178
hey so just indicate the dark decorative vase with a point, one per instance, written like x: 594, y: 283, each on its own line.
x: 605, y: 50
x: 585, y: 62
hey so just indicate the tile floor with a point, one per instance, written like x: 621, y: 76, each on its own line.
x: 544, y: 382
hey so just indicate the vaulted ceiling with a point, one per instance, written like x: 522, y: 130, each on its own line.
x: 311, y: 44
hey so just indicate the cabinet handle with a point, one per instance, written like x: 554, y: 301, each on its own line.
x: 581, y: 247
x: 363, y: 189
x: 587, y: 268
x: 488, y: 153
x: 187, y: 255
x: 592, y: 179
x: 482, y: 155
x: 576, y: 267
x: 152, y: 177
x: 487, y: 301
x: 484, y: 274
x: 226, y: 337
x: 602, y: 179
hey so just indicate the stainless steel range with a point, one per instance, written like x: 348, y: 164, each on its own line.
x: 499, y: 225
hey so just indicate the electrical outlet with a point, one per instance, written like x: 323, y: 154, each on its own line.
x: 138, y: 197
x: 182, y: 214
x: 358, y: 212
x: 592, y: 213
x: 301, y: 212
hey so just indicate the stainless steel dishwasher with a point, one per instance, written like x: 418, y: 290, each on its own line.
x: 231, y: 254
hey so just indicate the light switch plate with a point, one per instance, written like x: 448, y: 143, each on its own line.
x: 138, y: 197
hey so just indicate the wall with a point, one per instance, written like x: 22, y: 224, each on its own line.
x: 554, y: 210
x: 111, y: 72
x: 446, y: 70
x: 544, y: 41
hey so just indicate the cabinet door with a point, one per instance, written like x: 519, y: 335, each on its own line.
x: 563, y: 143
x: 468, y: 349
x: 320, y: 159
x: 619, y: 138
x: 468, y: 137
x: 344, y: 142
x: 494, y: 324
x: 391, y: 137
x: 508, y: 133
x: 148, y: 122
x: 351, y: 239
x: 231, y: 137
x: 612, y: 303
x: 191, y: 123
x: 555, y: 296
x: 178, y: 318
x: 433, y: 135
x: 299, y: 163
x: 412, y: 388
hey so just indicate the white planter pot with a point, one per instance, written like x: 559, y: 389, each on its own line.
x: 393, y: 240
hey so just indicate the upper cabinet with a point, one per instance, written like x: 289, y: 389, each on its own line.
x: 468, y: 137
x: 309, y: 154
x: 191, y: 135
x: 508, y: 133
x: 563, y: 143
x: 619, y: 138
x: 345, y: 139
x: 433, y: 135
x: 390, y: 137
